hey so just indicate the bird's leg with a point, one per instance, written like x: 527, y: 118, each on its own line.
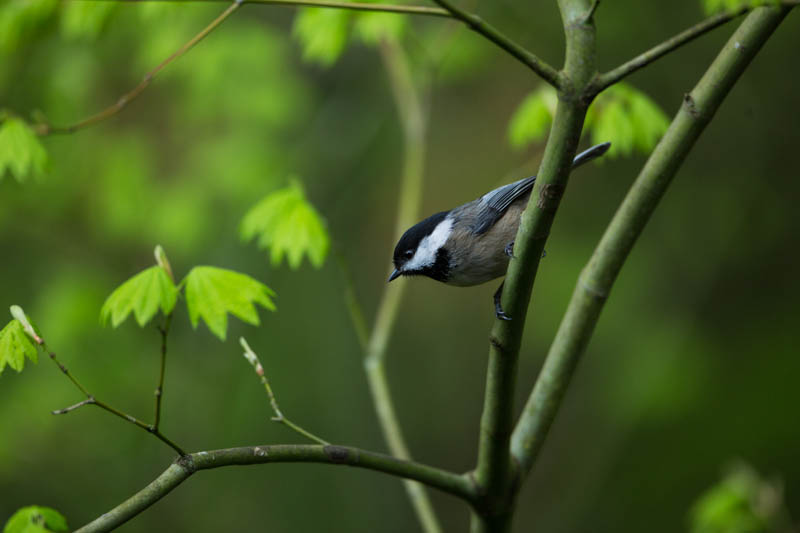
x: 498, y: 308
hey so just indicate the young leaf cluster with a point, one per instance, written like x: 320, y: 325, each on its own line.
x: 623, y: 115
x: 21, y: 153
x: 36, y: 519
x: 211, y: 293
x: 15, y: 346
x: 324, y: 33
x: 288, y: 225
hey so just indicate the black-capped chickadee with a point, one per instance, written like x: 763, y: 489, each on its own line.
x: 472, y: 243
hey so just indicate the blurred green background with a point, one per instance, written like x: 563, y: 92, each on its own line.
x: 694, y: 363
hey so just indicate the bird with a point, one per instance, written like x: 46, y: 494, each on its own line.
x: 472, y: 243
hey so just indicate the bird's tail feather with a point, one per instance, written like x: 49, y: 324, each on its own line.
x: 589, y: 154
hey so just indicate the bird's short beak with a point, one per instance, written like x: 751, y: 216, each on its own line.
x: 395, y: 274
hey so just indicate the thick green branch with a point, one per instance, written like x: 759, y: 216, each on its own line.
x: 613, y: 76
x: 598, y: 276
x: 495, y: 473
x: 528, y: 58
x: 184, y: 467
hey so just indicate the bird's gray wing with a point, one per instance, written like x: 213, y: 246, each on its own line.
x: 493, y: 204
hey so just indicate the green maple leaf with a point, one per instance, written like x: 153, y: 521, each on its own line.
x: 531, y: 120
x: 322, y: 33
x: 20, y: 150
x: 15, y: 346
x: 143, y: 294
x: 212, y: 293
x: 287, y: 224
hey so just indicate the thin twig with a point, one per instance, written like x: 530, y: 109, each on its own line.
x: 124, y: 100
x: 352, y: 6
x: 611, y: 77
x: 159, y: 393
x: 252, y: 358
x: 91, y: 400
x: 528, y: 58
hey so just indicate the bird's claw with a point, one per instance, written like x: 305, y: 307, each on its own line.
x: 498, y: 308
x: 500, y: 314
x: 510, y: 249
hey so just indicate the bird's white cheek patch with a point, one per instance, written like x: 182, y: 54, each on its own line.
x: 426, y: 251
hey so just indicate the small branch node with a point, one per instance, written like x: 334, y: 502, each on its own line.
x: 691, y: 106
x: 186, y: 462
x: 593, y: 291
x: 340, y: 454
x: 497, y: 344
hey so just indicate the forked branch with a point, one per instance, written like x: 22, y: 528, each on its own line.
x: 597, y: 278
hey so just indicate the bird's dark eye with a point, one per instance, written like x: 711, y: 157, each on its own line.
x: 408, y: 254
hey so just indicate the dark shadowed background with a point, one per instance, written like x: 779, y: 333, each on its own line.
x: 693, y: 365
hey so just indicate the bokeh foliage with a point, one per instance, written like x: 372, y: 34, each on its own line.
x: 692, y: 363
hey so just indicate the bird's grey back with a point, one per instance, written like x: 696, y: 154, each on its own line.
x: 492, y: 205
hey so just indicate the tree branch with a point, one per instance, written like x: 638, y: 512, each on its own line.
x: 475, y: 23
x: 125, y: 99
x: 180, y: 470
x: 352, y: 6
x: 91, y: 400
x: 413, y: 121
x: 495, y: 472
x: 598, y: 276
x: 642, y: 60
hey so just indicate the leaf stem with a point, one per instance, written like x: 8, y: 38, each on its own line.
x: 642, y: 60
x: 125, y: 99
x: 597, y: 278
x: 253, y: 359
x: 159, y: 393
